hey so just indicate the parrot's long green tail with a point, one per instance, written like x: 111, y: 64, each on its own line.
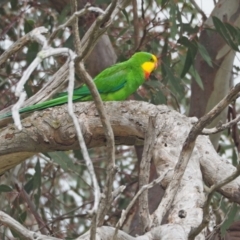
x: 40, y: 106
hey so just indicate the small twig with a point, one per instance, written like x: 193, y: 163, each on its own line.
x: 142, y: 10
x: 199, y: 9
x: 14, y: 20
x: 217, y: 227
x: 220, y: 128
x: 45, y: 53
x: 118, y: 191
x: 30, y: 205
x: 140, y: 191
x: 232, y: 114
x: 15, y: 47
x: 205, y: 219
x: 54, y: 85
x: 99, y: 27
x: 73, y: 18
x: 149, y: 143
x: 187, y: 151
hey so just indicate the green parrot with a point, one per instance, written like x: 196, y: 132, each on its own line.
x: 115, y: 83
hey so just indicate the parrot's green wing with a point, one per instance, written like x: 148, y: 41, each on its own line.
x: 108, y: 81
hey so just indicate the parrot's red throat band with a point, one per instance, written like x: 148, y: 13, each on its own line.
x: 146, y: 75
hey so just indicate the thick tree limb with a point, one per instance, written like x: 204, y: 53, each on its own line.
x: 52, y: 129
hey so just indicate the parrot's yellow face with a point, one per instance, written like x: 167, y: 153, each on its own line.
x: 150, y: 65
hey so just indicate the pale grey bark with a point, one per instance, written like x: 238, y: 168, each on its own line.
x: 52, y: 129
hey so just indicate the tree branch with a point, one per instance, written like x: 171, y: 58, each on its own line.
x: 187, y: 151
x: 22, y: 231
x: 195, y: 231
x: 149, y: 144
x: 221, y: 127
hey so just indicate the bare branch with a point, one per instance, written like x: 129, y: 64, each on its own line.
x: 199, y: 9
x: 205, y: 220
x: 99, y: 27
x: 15, y: 47
x: 105, y: 202
x: 97, y: 193
x: 222, y: 127
x: 21, y: 230
x: 149, y: 144
x: 33, y: 210
x: 45, y: 53
x: 140, y: 191
x: 73, y: 18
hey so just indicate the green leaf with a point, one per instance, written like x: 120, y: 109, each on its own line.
x: 28, y: 89
x: 175, y: 82
x: 125, y: 15
x: 233, y: 30
x: 63, y: 160
x: 164, y: 2
x: 159, y: 98
x: 64, y: 13
x: 234, y: 157
x: 190, y: 56
x: 165, y: 59
x: 173, y: 20
x: 197, y: 78
x: 37, y: 176
x: 203, y: 52
x: 157, y: 95
x: 78, y: 154
x: 5, y: 188
x: 226, y: 32
x: 28, y: 187
x: 28, y: 25
x: 230, y: 219
x: 32, y: 52
x: 14, y: 4
x: 37, y: 182
x: 22, y: 217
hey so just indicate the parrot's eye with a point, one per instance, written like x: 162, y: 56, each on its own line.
x: 151, y: 60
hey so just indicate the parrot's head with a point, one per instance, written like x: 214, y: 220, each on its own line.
x: 147, y: 61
